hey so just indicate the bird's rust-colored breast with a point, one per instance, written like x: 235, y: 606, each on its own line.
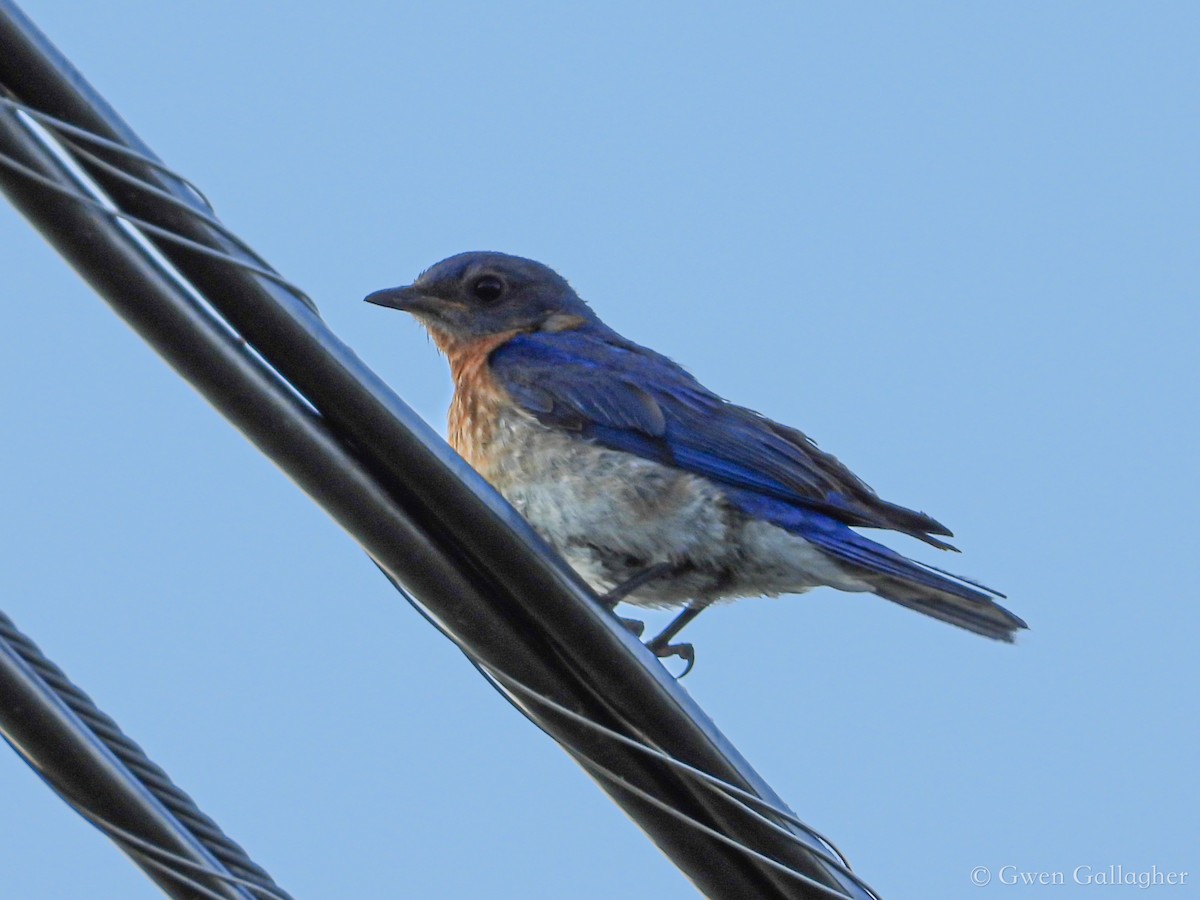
x: 478, y: 400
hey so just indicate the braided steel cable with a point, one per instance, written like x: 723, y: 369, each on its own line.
x: 240, y: 868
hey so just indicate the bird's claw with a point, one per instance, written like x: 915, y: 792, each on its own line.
x: 686, y: 652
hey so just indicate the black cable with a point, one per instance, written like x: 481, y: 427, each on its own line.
x: 270, y: 365
x: 275, y: 418
x: 748, y: 803
x: 86, y: 758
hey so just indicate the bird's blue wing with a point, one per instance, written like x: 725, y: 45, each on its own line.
x: 629, y: 398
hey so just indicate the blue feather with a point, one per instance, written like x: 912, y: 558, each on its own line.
x: 629, y: 398
x: 849, y: 546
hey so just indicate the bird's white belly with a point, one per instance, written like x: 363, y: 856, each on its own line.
x: 612, y: 514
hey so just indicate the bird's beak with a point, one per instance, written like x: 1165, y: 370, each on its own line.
x: 407, y: 298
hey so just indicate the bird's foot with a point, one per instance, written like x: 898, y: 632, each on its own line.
x: 686, y: 652
x: 662, y: 647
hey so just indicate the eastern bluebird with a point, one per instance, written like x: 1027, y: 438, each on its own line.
x: 653, y: 488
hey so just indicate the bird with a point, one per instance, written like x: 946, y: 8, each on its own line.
x: 656, y: 490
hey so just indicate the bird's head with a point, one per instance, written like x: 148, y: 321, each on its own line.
x: 476, y: 295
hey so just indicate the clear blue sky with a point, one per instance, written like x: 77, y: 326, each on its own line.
x: 956, y: 243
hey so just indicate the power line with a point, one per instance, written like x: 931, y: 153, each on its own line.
x: 86, y: 758
x: 259, y: 352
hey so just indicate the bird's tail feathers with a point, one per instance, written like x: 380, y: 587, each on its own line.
x: 985, y: 617
x: 925, y: 588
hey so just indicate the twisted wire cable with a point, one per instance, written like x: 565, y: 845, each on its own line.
x: 501, y: 680
x: 506, y: 686
x: 67, y: 138
x: 258, y: 267
x: 244, y: 871
x: 173, y: 863
x: 179, y: 803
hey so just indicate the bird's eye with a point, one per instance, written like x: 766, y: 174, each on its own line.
x: 487, y: 288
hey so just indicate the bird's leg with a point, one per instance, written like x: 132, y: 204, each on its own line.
x: 660, y: 647
x: 638, y: 580
x: 628, y: 586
